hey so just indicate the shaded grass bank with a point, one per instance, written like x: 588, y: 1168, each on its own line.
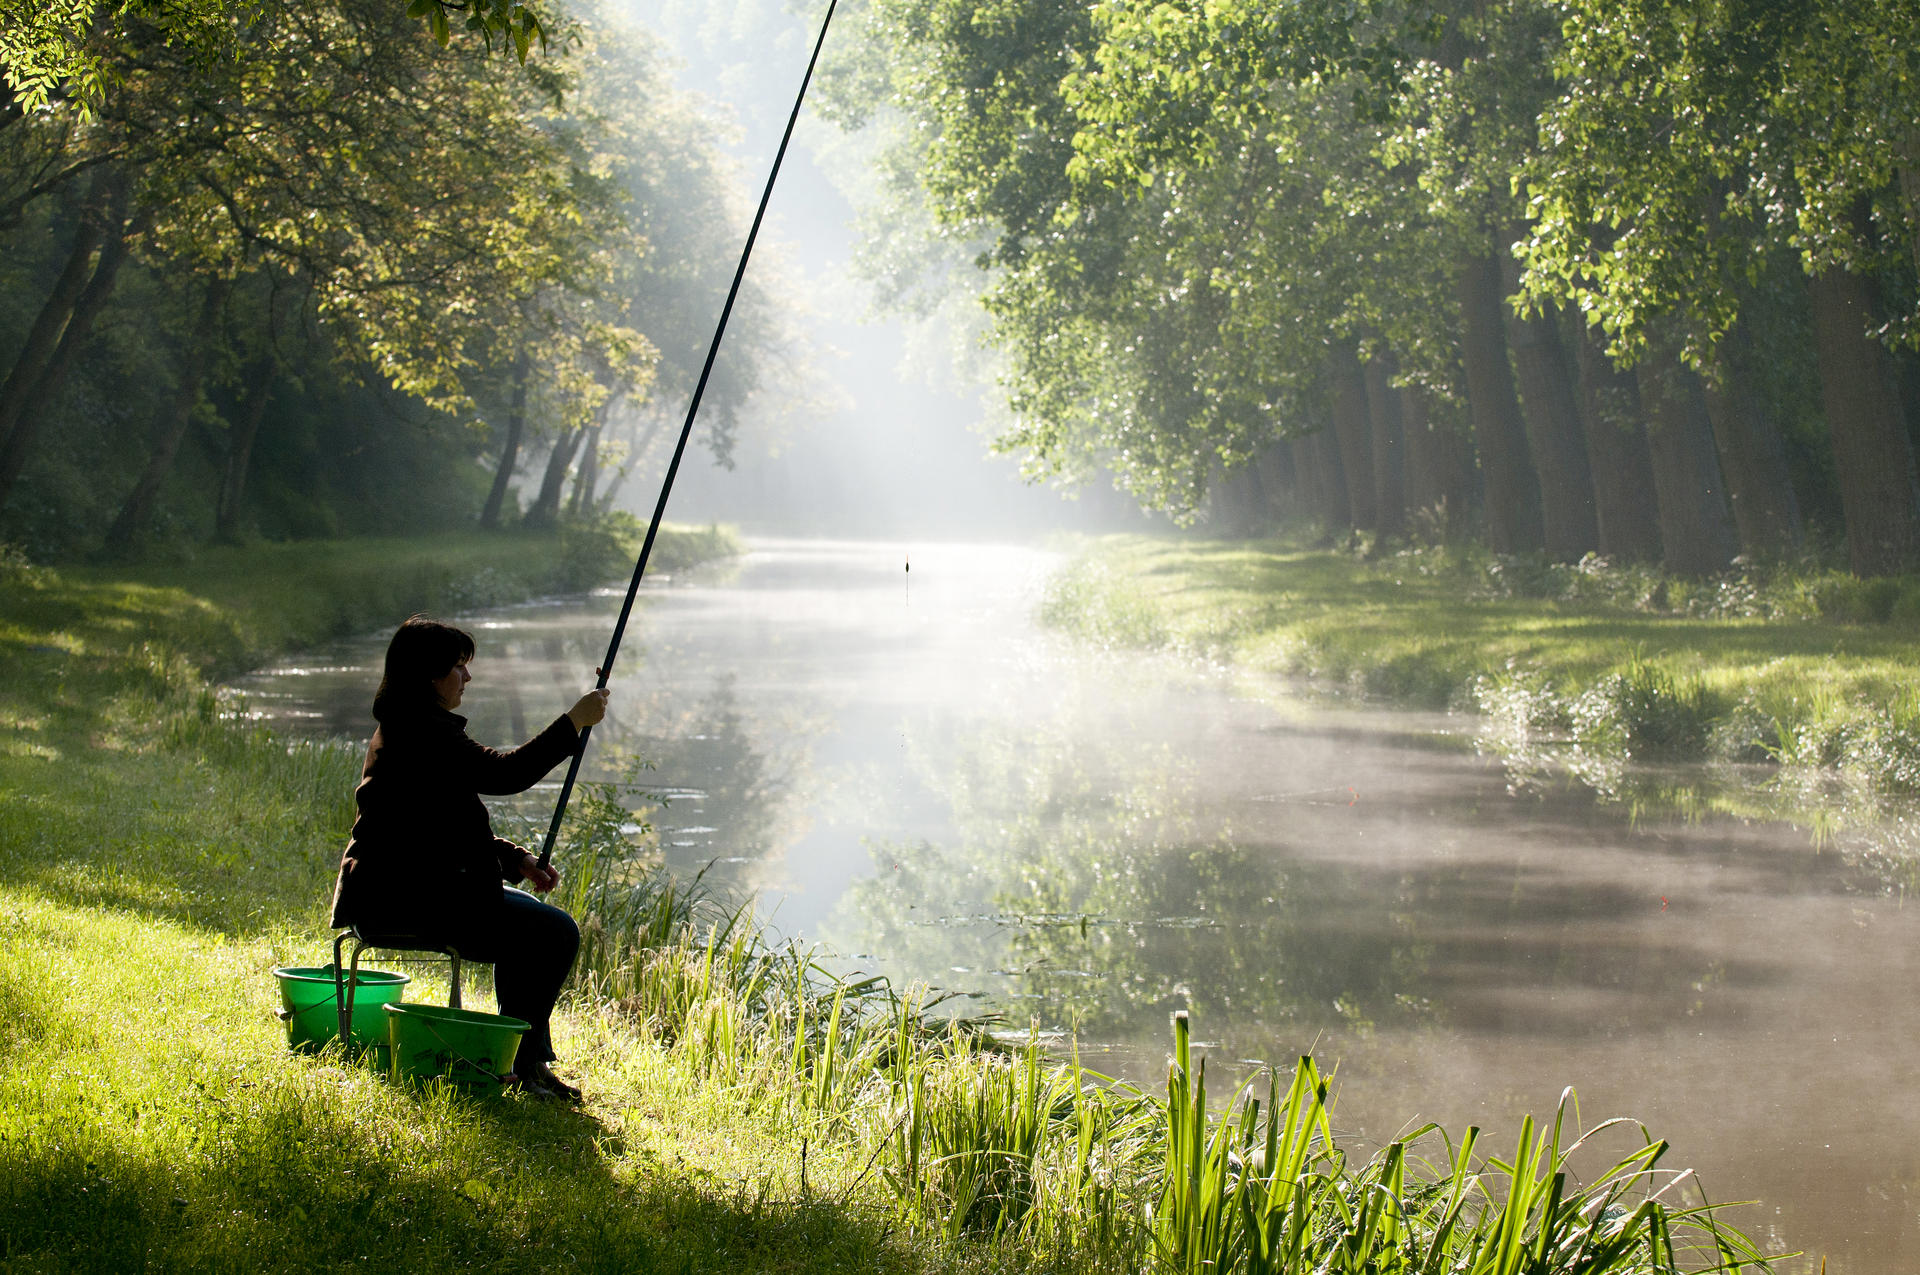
x: 1800, y: 667
x: 746, y: 1110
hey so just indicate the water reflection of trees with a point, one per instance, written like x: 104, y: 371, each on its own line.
x: 717, y: 788
x: 1876, y: 835
x: 1083, y: 888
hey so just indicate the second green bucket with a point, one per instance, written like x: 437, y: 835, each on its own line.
x: 471, y: 1049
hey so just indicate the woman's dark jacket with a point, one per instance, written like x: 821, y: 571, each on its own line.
x: 423, y: 859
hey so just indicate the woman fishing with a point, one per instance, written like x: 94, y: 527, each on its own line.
x: 424, y: 863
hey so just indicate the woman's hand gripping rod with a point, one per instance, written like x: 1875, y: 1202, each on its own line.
x: 686, y: 432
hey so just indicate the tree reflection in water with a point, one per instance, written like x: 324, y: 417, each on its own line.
x: 1084, y: 889
x: 1875, y: 832
x: 1082, y: 892
x: 715, y: 789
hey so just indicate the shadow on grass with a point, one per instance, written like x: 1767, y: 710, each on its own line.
x: 278, y: 1184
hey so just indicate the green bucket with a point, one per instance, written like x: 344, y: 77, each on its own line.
x: 308, y: 1009
x: 472, y: 1050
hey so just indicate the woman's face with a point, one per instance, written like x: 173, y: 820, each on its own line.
x: 448, y: 688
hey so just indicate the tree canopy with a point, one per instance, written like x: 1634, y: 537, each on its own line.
x: 1553, y: 272
x: 340, y: 241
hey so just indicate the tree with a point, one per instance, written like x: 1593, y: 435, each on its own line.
x: 1694, y: 145
x: 428, y: 215
x: 419, y: 194
x: 65, y: 50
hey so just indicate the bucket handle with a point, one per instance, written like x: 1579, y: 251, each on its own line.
x: 478, y: 1066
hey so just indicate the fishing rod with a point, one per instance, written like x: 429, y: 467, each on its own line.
x: 686, y: 432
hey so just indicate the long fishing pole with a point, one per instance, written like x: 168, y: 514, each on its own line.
x: 686, y: 432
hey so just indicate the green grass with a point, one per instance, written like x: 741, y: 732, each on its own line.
x: 1802, y: 667
x: 746, y: 1111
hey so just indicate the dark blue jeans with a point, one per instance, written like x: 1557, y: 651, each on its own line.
x: 531, y: 951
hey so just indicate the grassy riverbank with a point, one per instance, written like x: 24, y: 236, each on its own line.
x: 745, y: 1112
x: 1804, y: 667
x: 159, y: 861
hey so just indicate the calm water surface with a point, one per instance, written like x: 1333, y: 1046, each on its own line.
x: 901, y: 765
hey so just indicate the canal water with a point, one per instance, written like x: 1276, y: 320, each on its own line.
x: 900, y: 764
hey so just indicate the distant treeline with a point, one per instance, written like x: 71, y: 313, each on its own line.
x: 1639, y: 277
x: 303, y: 270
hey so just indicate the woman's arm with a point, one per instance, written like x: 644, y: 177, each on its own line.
x: 496, y: 773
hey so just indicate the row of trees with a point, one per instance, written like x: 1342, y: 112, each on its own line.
x: 306, y: 269
x: 1628, y: 276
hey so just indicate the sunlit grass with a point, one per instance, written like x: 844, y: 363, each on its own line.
x: 151, y: 1116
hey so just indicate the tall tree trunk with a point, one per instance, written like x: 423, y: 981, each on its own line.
x: 546, y: 506
x: 1753, y: 456
x: 1694, y: 526
x: 1280, y: 479
x: 1463, y: 469
x: 1353, y: 436
x: 1309, y: 483
x: 1333, y: 480
x: 510, y: 449
x: 1625, y: 506
x: 44, y: 335
x: 1547, y: 404
x: 1909, y: 176
x: 233, y: 482
x: 1512, y: 494
x: 1440, y: 458
x: 1237, y: 502
x: 34, y: 404
x: 1319, y: 461
x: 588, y: 475
x: 1872, y: 456
x: 1388, y: 432
x: 634, y: 457
x: 137, y: 512
x: 1424, y: 481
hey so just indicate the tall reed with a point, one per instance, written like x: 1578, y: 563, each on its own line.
x: 1279, y: 1196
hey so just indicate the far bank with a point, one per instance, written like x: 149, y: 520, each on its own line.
x: 1805, y: 668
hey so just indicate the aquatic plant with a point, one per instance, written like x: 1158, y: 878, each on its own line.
x: 1645, y: 713
x: 1277, y: 1196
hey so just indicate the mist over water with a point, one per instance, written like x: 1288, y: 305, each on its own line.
x: 900, y: 764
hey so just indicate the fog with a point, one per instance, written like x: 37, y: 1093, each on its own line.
x: 870, y: 432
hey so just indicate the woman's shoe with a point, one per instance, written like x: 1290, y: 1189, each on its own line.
x: 514, y: 1082
x: 540, y: 1078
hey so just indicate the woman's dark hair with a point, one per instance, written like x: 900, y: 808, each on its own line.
x: 422, y: 652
